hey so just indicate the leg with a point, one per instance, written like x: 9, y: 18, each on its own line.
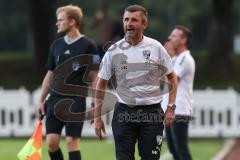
x: 124, y: 132
x: 150, y: 135
x: 53, y: 130
x: 54, y: 151
x: 74, y: 131
x: 73, y: 146
x: 72, y: 143
x: 171, y: 143
x: 181, y: 135
x: 53, y: 141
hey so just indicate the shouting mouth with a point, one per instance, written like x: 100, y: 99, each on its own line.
x: 130, y: 30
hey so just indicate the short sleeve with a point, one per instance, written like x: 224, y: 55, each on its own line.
x: 183, y: 67
x: 165, y: 60
x: 105, y: 69
x: 92, y: 49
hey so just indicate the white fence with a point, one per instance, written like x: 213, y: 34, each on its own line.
x: 216, y: 113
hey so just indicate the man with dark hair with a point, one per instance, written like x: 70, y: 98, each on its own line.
x: 186, y: 33
x: 138, y: 63
x: 184, y: 67
x: 72, y: 44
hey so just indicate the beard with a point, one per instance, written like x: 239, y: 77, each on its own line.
x: 129, y: 37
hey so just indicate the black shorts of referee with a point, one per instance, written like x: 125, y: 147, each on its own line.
x: 55, y: 125
x: 141, y: 124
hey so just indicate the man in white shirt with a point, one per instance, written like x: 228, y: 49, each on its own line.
x: 184, y: 67
x: 138, y: 63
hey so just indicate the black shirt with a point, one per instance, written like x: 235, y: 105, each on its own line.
x: 60, y: 51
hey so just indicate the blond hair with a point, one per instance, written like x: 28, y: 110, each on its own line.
x: 73, y: 12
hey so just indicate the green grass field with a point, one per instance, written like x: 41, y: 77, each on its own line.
x: 201, y: 149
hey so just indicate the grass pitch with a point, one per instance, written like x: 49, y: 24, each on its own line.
x: 94, y: 149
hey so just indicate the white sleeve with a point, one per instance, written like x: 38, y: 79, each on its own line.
x: 183, y: 67
x: 180, y: 70
x: 165, y: 60
x: 105, y: 69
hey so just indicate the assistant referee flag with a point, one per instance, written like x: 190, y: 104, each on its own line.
x: 32, y: 150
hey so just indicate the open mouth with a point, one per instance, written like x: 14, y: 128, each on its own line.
x: 130, y: 30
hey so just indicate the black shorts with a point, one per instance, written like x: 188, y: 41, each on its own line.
x: 55, y: 125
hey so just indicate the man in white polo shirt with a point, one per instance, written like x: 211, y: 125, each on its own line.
x: 138, y: 63
x: 184, y: 67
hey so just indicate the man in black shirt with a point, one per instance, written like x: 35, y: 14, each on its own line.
x: 72, y: 44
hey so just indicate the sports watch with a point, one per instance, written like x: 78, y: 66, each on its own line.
x: 172, y: 106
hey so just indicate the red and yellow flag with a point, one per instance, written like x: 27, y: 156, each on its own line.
x: 32, y: 150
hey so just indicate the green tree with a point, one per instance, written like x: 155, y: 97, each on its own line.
x: 221, y: 38
x: 41, y: 17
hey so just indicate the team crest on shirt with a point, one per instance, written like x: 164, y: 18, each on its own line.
x: 147, y: 54
x: 75, y: 65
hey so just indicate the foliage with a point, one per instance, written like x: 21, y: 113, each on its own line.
x: 18, y: 70
x: 163, y: 15
x: 13, y: 26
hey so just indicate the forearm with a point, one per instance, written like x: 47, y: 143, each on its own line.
x: 173, y: 92
x: 101, y: 86
x: 45, y: 86
x: 94, y: 79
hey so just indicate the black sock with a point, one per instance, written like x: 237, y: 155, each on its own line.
x: 57, y: 155
x: 75, y: 155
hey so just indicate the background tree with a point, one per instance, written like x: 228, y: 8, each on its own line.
x: 41, y: 18
x: 221, y: 38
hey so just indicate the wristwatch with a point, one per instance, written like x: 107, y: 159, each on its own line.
x: 172, y: 106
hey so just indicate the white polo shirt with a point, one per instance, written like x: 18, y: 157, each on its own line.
x: 137, y: 70
x: 184, y: 67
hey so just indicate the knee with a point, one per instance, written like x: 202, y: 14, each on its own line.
x: 72, y: 143
x: 53, y: 144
